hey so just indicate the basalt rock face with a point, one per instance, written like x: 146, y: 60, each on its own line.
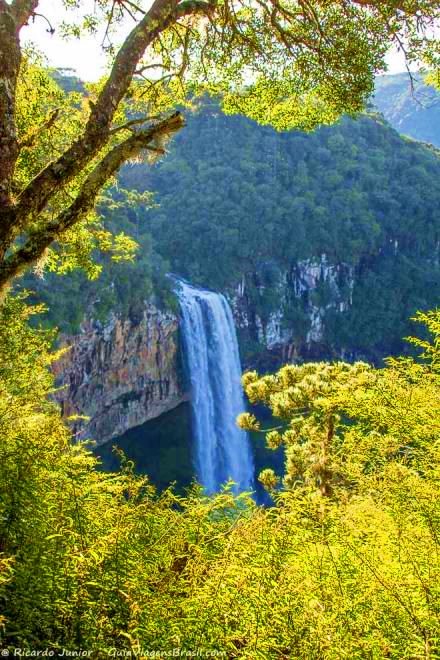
x: 285, y: 321
x: 128, y: 371
x: 120, y: 374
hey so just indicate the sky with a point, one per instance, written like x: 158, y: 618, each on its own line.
x: 87, y: 58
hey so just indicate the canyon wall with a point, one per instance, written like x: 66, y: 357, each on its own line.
x: 125, y: 372
x: 120, y: 374
x: 286, y: 320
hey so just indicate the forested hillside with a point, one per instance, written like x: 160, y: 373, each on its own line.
x: 235, y: 201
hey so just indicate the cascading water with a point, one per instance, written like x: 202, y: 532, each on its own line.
x: 222, y: 450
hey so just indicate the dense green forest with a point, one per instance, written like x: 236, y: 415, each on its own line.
x: 234, y: 200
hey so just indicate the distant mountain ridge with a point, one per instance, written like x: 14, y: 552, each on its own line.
x: 410, y: 105
x: 412, y: 108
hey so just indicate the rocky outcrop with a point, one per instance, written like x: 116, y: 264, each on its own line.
x: 126, y: 372
x: 311, y: 275
x: 120, y: 374
x: 294, y: 329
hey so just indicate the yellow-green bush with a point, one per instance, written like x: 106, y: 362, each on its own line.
x: 98, y: 561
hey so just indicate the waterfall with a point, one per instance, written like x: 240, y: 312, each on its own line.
x: 222, y: 450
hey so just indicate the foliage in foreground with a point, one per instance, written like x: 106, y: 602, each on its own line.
x: 350, y: 570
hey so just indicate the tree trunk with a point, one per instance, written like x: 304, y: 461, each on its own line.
x: 10, y: 58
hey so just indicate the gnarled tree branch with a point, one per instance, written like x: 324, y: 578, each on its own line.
x: 22, y: 10
x: 10, y: 58
x: 161, y: 15
x: 39, y: 240
x: 29, y: 139
x: 129, y: 125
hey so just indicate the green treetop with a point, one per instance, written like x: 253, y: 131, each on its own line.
x: 342, y: 424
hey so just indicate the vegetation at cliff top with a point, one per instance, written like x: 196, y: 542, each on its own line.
x: 344, y: 566
x: 237, y: 202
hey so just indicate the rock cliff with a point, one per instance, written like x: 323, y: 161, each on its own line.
x: 285, y: 321
x: 120, y: 374
x: 126, y: 372
x: 117, y: 375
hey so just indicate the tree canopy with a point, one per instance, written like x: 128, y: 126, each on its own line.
x: 290, y: 64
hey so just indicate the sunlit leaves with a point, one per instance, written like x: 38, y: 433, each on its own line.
x: 89, y: 558
x: 431, y: 347
x: 39, y: 98
x: 344, y: 423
